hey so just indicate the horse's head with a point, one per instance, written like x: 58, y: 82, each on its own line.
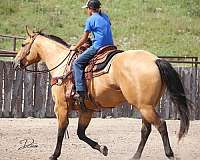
x: 27, y: 54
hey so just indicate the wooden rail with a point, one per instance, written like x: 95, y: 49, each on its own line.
x: 6, y: 53
x: 14, y: 39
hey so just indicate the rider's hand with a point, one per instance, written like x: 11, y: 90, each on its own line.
x: 73, y: 48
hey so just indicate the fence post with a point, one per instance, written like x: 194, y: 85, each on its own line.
x: 197, y: 105
x: 50, y: 103
x: 40, y: 92
x: 28, y: 92
x: 14, y: 43
x: 17, y: 94
x: 1, y: 88
x: 8, y: 83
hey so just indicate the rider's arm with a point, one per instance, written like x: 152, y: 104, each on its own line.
x: 82, y: 40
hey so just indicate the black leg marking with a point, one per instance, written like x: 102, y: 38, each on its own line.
x: 84, y: 121
x: 83, y: 137
x: 164, y: 134
x: 145, y: 132
x: 56, y: 154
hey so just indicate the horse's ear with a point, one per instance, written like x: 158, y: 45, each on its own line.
x: 41, y: 30
x: 29, y: 32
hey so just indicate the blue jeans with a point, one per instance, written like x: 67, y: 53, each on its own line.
x: 79, y: 67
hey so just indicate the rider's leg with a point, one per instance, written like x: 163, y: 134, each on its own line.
x: 79, y: 66
x: 78, y: 72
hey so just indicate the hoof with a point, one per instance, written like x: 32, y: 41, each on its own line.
x: 171, y: 158
x: 170, y: 155
x: 104, y: 150
x: 53, y: 158
x: 136, y: 157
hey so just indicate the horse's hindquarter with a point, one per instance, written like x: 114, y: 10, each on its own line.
x: 138, y: 77
x: 133, y: 76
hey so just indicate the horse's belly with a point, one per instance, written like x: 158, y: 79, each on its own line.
x: 110, y: 98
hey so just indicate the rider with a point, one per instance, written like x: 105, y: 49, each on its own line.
x: 98, y: 23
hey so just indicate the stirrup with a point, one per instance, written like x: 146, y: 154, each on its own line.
x: 82, y: 105
x: 77, y: 96
x: 80, y: 101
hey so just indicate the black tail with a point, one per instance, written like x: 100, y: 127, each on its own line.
x: 177, y: 94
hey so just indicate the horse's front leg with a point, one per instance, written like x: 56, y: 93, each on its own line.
x: 84, y: 120
x: 62, y: 117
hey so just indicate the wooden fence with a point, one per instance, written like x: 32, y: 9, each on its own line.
x: 24, y: 94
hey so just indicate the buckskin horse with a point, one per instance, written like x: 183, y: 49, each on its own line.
x: 135, y: 76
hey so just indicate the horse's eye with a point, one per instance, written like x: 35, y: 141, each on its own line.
x: 23, y: 45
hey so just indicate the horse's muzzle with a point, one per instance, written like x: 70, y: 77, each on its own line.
x: 17, y: 64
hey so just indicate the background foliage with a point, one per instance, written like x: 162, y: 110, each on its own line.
x: 164, y: 27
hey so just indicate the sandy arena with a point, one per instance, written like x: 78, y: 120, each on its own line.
x: 121, y: 136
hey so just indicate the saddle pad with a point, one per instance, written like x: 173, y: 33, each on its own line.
x: 98, y: 66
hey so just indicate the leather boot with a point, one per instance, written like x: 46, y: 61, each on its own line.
x: 80, y: 97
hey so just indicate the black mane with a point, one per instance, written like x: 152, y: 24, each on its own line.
x: 55, y: 38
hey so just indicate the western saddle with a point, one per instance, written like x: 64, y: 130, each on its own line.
x: 98, y: 65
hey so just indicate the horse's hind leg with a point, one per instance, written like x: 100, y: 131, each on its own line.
x: 151, y: 117
x: 164, y: 134
x: 84, y: 120
x: 145, y: 132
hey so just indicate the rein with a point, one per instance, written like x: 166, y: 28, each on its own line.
x: 49, y: 70
x: 46, y: 70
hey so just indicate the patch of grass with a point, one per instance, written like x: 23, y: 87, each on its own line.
x: 163, y: 27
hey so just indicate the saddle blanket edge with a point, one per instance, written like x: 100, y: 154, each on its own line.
x: 105, y: 70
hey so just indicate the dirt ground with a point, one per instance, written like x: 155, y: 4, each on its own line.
x: 121, y: 136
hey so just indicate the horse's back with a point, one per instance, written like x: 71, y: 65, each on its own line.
x: 137, y: 55
x: 137, y: 62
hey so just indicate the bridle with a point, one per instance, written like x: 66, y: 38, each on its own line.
x: 46, y: 70
x: 29, y: 46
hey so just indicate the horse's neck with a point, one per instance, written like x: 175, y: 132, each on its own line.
x: 53, y: 53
